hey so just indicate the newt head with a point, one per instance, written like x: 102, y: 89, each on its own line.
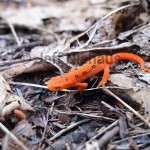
x: 57, y: 83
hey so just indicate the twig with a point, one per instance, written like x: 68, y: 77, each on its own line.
x: 100, y: 133
x: 28, y: 84
x: 12, y: 30
x: 112, y: 108
x: 108, y: 136
x: 105, y: 130
x: 132, y: 137
x: 66, y: 90
x: 43, y: 135
x: 5, y: 145
x: 67, y: 146
x: 52, y: 107
x: 126, y: 105
x: 86, y: 115
x: 67, y: 129
x: 13, y: 137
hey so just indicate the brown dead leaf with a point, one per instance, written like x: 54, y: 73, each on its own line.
x: 142, y: 39
x: 16, y: 70
x: 49, y: 54
x: 139, y: 92
x: 144, y: 77
x: 121, y: 81
x: 29, y: 67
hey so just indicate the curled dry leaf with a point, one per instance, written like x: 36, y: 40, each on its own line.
x: 138, y: 93
x: 144, y: 77
x: 10, y: 101
x: 121, y: 81
x: 26, y: 67
x: 16, y: 69
x: 49, y: 54
x: 142, y: 39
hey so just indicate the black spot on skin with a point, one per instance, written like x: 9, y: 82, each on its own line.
x: 76, y: 76
x: 99, y: 61
x: 57, y: 88
x: 84, y: 72
x: 94, y: 66
x: 66, y: 79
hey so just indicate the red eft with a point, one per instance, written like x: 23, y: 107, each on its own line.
x: 97, y: 64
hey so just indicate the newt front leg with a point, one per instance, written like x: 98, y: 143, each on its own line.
x: 81, y: 86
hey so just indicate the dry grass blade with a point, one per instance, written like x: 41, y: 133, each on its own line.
x: 67, y: 129
x: 86, y: 115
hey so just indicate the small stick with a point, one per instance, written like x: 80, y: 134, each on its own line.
x: 132, y: 137
x: 108, y: 136
x: 45, y: 129
x: 65, y: 90
x: 67, y: 129
x: 105, y: 130
x: 86, y: 115
x: 100, y: 133
x: 13, y: 137
x: 112, y: 108
x: 5, y: 144
x: 28, y: 84
x: 67, y: 146
x: 126, y: 105
x: 12, y: 30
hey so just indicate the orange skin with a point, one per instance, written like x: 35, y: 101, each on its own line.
x: 75, y: 77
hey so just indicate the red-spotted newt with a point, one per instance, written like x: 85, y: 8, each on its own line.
x: 75, y: 77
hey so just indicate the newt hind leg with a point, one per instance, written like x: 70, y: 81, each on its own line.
x: 146, y: 69
x: 105, y: 76
x: 81, y: 86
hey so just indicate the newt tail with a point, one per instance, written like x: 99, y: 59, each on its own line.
x: 97, y: 64
x: 132, y: 57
